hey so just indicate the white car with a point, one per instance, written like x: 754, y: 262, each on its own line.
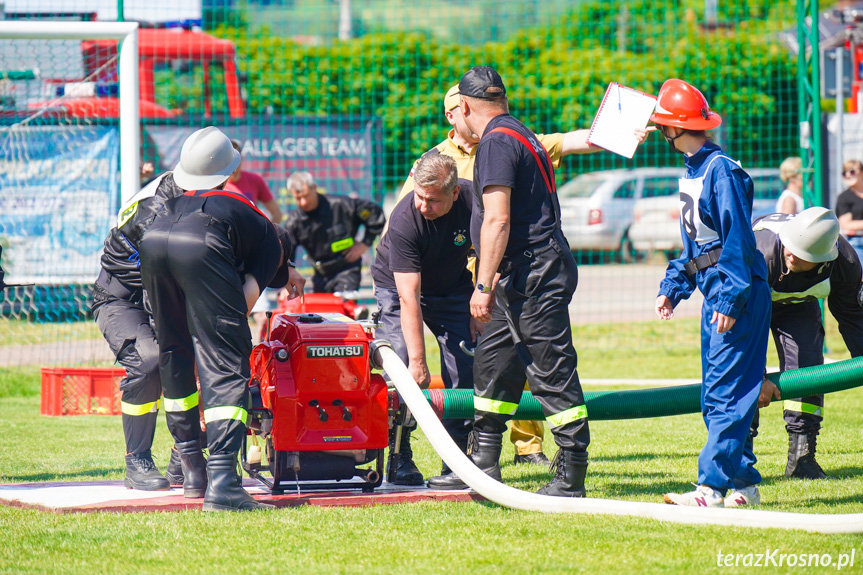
x: 596, y: 209
x: 656, y: 225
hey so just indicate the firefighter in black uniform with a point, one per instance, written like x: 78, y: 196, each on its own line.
x: 205, y: 260
x: 120, y: 311
x: 326, y: 227
x: 515, y: 228
x: 808, y: 260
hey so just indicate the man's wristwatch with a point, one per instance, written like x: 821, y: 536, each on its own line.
x: 292, y: 264
x: 483, y: 288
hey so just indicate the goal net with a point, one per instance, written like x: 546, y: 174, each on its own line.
x: 60, y: 181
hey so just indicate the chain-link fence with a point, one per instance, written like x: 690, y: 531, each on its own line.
x: 353, y: 91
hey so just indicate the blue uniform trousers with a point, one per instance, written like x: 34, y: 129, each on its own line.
x: 732, y: 371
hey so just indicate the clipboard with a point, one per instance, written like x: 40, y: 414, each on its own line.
x: 622, y: 111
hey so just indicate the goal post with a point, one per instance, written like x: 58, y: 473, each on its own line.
x: 126, y: 33
x: 69, y: 106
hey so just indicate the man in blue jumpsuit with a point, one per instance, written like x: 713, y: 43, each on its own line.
x: 807, y: 260
x: 720, y: 259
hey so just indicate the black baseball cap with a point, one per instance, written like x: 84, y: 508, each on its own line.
x: 477, y: 81
x: 283, y: 273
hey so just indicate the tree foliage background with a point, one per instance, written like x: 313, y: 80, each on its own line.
x: 556, y: 73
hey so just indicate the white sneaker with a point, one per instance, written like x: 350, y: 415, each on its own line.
x: 703, y: 496
x: 744, y: 497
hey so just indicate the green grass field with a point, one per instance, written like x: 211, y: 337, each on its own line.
x: 634, y: 460
x: 18, y: 332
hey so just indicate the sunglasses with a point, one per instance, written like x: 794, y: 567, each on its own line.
x: 849, y: 173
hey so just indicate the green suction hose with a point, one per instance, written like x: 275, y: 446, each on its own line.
x: 661, y: 401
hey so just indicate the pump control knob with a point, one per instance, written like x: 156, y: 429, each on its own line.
x: 346, y: 415
x: 282, y: 354
x: 322, y: 415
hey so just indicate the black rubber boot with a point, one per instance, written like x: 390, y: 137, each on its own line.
x: 801, y: 457
x: 406, y: 471
x: 484, y: 451
x: 225, y: 489
x: 569, y: 468
x: 174, y: 473
x: 194, y: 469
x: 538, y: 458
x: 141, y: 473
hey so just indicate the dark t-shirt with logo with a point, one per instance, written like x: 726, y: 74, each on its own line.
x: 437, y: 249
x: 502, y: 160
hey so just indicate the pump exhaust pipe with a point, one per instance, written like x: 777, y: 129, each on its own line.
x: 368, y: 475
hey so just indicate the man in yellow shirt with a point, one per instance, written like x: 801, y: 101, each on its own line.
x: 460, y: 145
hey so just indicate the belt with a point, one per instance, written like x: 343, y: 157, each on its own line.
x: 702, y: 262
x: 510, y: 263
x: 333, y: 266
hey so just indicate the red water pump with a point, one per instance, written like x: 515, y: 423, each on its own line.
x: 344, y: 303
x: 315, y: 403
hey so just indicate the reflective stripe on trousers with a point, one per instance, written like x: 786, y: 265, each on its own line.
x: 182, y: 404
x: 494, y: 405
x: 143, y: 409
x: 224, y: 412
x: 801, y: 407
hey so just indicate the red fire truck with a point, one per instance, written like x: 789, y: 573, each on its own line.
x: 157, y: 48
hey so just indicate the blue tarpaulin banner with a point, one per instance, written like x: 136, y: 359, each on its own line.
x: 58, y: 199
x: 59, y: 185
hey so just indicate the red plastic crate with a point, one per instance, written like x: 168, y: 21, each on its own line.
x: 81, y: 390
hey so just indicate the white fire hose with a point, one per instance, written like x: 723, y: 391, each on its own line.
x: 499, y: 493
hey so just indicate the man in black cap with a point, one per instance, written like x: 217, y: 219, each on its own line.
x: 515, y: 228
x: 205, y: 260
x: 460, y: 144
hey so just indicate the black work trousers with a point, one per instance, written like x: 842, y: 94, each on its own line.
x: 448, y: 318
x: 530, y: 335
x: 347, y: 280
x: 798, y: 331
x: 127, y: 328
x: 199, y: 309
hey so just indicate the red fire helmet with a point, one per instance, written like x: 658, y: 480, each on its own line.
x: 681, y: 105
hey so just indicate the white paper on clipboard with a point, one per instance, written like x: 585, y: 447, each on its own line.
x: 622, y: 111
